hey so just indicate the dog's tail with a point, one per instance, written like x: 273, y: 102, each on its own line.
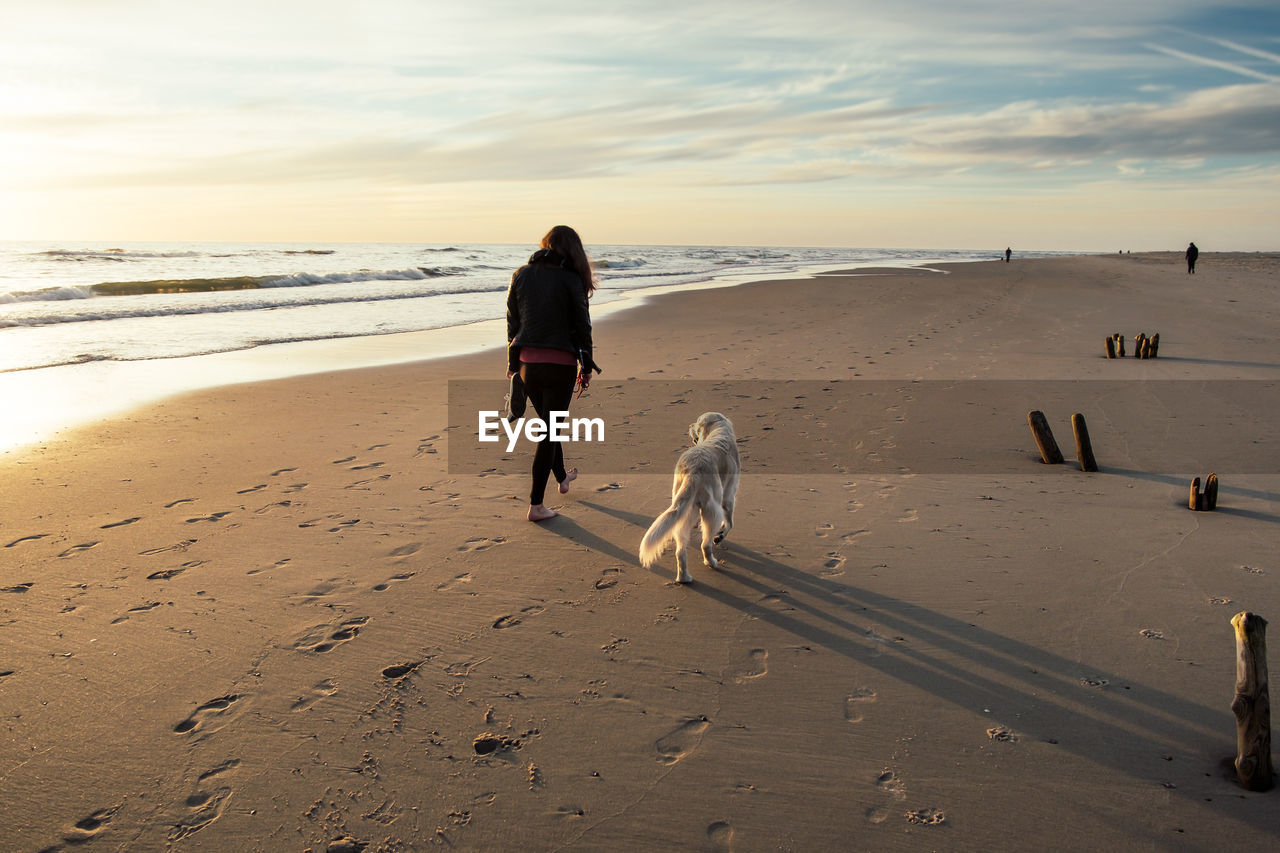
x: 683, y: 508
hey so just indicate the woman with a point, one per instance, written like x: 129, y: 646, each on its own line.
x: 549, y: 344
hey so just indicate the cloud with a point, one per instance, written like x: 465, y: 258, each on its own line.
x: 1209, y: 62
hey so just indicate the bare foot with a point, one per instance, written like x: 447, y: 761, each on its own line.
x: 568, y: 478
x: 541, y: 513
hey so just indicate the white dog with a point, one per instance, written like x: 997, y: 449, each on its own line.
x: 706, y: 482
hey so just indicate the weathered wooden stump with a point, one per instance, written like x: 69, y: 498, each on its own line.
x: 1119, y: 345
x: 1155, y: 345
x: 1252, y: 703
x: 1211, y: 492
x: 1084, y: 449
x: 1195, y: 500
x: 1111, y: 347
x: 1049, y: 451
x: 1138, y: 343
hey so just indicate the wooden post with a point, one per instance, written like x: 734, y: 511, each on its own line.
x: 1111, y: 348
x: 1211, y: 492
x: 1119, y: 345
x: 1138, y: 343
x: 1084, y: 450
x: 1194, y: 500
x: 1049, y: 451
x: 1252, y: 703
x: 1155, y: 345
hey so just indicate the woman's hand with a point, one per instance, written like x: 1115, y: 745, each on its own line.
x: 510, y: 373
x: 584, y: 380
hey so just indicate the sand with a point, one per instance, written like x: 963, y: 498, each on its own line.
x: 282, y: 616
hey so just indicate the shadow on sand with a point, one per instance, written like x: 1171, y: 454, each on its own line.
x: 1132, y: 727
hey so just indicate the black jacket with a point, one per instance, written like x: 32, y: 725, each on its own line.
x: 547, y: 307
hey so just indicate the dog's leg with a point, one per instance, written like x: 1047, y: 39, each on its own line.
x: 728, y: 521
x: 730, y: 495
x: 708, y: 536
x: 707, y: 556
x: 681, y: 536
x: 682, y: 567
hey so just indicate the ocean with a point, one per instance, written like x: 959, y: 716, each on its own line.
x: 70, y: 303
x: 94, y: 330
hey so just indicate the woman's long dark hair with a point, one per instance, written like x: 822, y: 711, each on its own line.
x: 565, y: 241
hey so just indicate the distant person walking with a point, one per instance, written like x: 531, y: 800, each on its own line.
x: 1008, y: 253
x: 549, y: 344
x: 1192, y: 254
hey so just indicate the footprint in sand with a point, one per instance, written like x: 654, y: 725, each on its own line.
x: 834, y: 566
x: 681, y: 741
x: 1151, y: 634
x: 609, y: 578
x: 511, y: 620
x: 27, y: 539
x: 755, y: 666
x: 1219, y: 601
x: 909, y: 515
x: 400, y: 670
x: 386, y: 584
x: 211, y: 710
x: 889, y: 783
x: 454, y: 582
x: 363, y: 484
x: 608, y: 487
x: 204, y: 807
x: 320, y: 690
x: 180, y: 546
x: 18, y: 588
x: 172, y: 504
x: 855, y: 704
x: 314, y: 521
x: 877, y: 814
x: 252, y: 489
x: 269, y: 507
x: 215, y: 516
x: 120, y: 523
x: 1002, y: 734
x: 295, y: 487
x: 279, y: 471
x: 76, y: 549
x: 926, y: 817
x: 823, y: 530
x: 87, y: 827
x: 367, y: 466
x: 141, y: 608
x: 344, y: 461
x: 278, y: 564
x: 852, y: 535
x: 406, y: 550
x: 481, y: 543
x: 720, y: 834
x: 325, y: 638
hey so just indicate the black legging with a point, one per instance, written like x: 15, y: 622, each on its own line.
x: 549, y: 388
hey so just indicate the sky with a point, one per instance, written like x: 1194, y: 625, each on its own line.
x: 1084, y: 126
